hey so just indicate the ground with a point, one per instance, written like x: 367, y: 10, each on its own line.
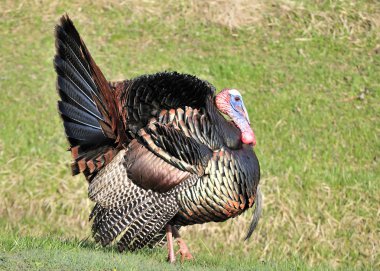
x: 309, y: 73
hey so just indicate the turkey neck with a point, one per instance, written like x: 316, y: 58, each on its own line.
x: 227, y: 129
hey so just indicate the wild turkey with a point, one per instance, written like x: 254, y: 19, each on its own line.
x: 156, y: 150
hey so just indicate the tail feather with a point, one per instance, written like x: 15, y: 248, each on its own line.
x: 87, y: 103
x: 71, y: 48
x: 256, y: 214
x: 81, y: 117
x: 71, y: 54
x: 82, y: 134
x: 67, y: 70
x: 71, y: 95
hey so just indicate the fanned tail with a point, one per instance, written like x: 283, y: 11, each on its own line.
x: 87, y: 105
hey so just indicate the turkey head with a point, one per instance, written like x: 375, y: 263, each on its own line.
x: 230, y: 102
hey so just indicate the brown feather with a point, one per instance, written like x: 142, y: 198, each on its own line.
x: 151, y: 172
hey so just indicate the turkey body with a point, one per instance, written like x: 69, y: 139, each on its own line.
x: 155, y: 149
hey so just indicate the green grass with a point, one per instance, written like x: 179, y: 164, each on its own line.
x: 309, y: 72
x: 50, y: 253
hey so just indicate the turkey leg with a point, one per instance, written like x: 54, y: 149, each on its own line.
x: 183, y: 249
x: 169, y: 238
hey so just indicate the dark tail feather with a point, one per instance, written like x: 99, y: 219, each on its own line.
x: 73, y: 113
x: 66, y: 69
x: 256, y: 214
x: 70, y: 94
x: 87, y: 107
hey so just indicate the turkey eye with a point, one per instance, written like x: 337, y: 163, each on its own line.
x: 237, y: 98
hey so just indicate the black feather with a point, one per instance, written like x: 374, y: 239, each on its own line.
x: 70, y: 42
x: 77, y: 98
x: 67, y: 54
x: 70, y: 29
x: 77, y: 115
x: 84, y: 133
x: 66, y: 70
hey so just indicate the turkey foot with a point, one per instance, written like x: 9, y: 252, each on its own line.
x: 183, y: 248
x: 169, y: 238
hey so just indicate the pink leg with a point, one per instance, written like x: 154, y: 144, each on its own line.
x: 169, y: 238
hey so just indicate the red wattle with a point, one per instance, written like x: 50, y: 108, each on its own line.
x: 248, y: 138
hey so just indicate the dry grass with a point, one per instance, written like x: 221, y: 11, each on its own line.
x: 250, y: 13
x: 233, y: 14
x: 341, y: 17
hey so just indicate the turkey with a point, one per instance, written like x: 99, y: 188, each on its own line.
x: 156, y: 150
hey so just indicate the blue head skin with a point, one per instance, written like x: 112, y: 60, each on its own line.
x: 236, y: 101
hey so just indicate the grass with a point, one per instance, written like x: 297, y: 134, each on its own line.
x: 50, y: 253
x: 309, y: 73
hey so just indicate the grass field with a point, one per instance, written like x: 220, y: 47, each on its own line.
x: 310, y: 76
